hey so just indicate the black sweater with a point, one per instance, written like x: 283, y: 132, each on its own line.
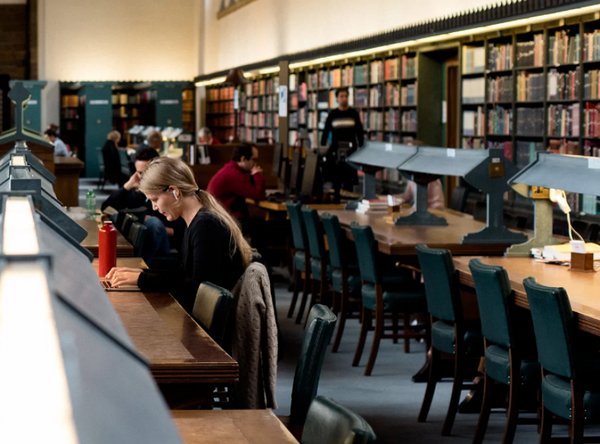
x: 206, y: 255
x: 345, y: 126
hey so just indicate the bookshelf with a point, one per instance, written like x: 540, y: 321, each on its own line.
x: 260, y: 102
x: 131, y: 106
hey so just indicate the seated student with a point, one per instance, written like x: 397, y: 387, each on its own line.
x: 154, y: 141
x: 162, y: 235
x: 213, y: 248
x: 112, y: 159
x: 205, y: 137
x: 60, y: 149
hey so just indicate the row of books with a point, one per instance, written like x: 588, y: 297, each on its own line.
x: 223, y: 93
x: 473, y: 122
x: 367, y: 206
x: 409, y: 121
x: 563, y: 85
x: 392, y: 120
x: 263, y: 86
x: 500, y: 89
x: 591, y: 120
x: 473, y: 90
x: 263, y: 103
x: 376, y: 136
x: 500, y: 56
x: 377, y: 72
x: 563, y: 48
x: 125, y: 112
x: 591, y: 45
x: 70, y: 125
x: 530, y: 87
x: 409, y: 94
x: 472, y: 143
x: 67, y: 113
x: 563, y: 146
x: 228, y: 120
x: 316, y: 119
x: 392, y: 69
x: 409, y: 67
x: 376, y: 96
x: 500, y: 120
x: 563, y: 120
x: 506, y: 146
x: 375, y: 121
x: 69, y: 101
x: 219, y: 107
x: 262, y: 120
x: 591, y: 84
x: 531, y: 53
x: 361, y: 98
x: 255, y: 133
x: 530, y: 121
x: 299, y: 95
x: 526, y: 151
x: 392, y: 94
x: 473, y: 59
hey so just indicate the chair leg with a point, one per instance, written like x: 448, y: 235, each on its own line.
x: 513, y: 407
x: 431, y: 383
x: 456, y: 390
x: 395, y: 328
x: 305, y: 293
x: 378, y: 330
x: 484, y: 415
x: 313, y: 299
x: 342, y: 318
x: 577, y: 413
x: 366, y: 326
x: 407, y: 333
x: 297, y: 279
x: 546, y: 430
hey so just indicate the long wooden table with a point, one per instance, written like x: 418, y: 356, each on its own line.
x: 581, y: 287
x: 397, y: 240
x: 91, y: 242
x: 178, y: 349
x: 231, y: 427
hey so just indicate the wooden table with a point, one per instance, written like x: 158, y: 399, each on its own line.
x: 124, y: 248
x: 66, y: 187
x: 581, y: 287
x: 178, y: 349
x: 281, y: 206
x: 231, y: 427
x: 397, y: 240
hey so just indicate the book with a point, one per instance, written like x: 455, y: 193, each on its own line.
x: 473, y: 90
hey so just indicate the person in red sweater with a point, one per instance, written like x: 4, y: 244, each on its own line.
x: 238, y: 180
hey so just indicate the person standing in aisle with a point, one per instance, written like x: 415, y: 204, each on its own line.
x: 346, y: 130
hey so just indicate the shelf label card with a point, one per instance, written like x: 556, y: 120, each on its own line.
x: 283, y: 101
x: 594, y: 163
x: 169, y: 102
x: 450, y: 152
x: 98, y: 102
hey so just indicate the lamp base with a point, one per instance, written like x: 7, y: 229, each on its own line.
x: 421, y: 218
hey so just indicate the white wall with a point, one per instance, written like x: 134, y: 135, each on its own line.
x: 268, y: 28
x: 116, y: 40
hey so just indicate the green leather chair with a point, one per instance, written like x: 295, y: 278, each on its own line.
x: 128, y: 221
x: 212, y: 308
x: 392, y: 292
x: 345, y: 276
x: 301, y: 258
x: 510, y: 354
x: 137, y: 237
x: 319, y: 259
x: 450, y: 333
x: 570, y: 383
x: 319, y: 330
x: 328, y: 422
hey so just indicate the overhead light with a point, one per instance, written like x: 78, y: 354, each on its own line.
x: 211, y: 81
x: 271, y: 70
x: 28, y: 337
x: 19, y: 235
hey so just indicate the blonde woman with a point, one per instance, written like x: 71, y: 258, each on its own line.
x: 213, y: 247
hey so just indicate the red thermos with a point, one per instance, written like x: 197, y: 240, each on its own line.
x: 107, y: 248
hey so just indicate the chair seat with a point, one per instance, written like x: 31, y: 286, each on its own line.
x: 299, y: 260
x: 497, y: 366
x: 557, y: 393
x: 353, y: 278
x: 442, y: 338
x: 315, y: 269
x: 410, y: 300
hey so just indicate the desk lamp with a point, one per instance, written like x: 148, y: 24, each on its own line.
x: 236, y: 78
x: 577, y: 174
x: 485, y: 170
x: 373, y: 157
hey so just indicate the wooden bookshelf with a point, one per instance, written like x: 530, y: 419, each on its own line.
x: 260, y: 101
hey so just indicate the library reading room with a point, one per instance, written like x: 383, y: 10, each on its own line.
x: 300, y: 221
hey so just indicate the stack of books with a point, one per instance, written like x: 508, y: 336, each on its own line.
x: 369, y: 206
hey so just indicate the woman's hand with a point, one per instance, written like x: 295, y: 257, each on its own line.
x: 123, y: 276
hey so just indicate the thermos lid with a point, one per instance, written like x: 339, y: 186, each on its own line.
x: 108, y: 222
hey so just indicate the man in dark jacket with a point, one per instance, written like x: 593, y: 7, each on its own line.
x: 162, y: 235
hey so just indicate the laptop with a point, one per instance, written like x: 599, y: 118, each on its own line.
x: 108, y: 287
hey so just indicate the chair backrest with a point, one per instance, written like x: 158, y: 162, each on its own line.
x: 298, y: 228
x: 458, y: 200
x: 137, y: 237
x: 554, y: 325
x: 314, y: 232
x: 124, y: 159
x: 127, y: 222
x: 494, y: 299
x: 335, y: 240
x: 100, y: 158
x: 211, y: 310
x: 366, y: 248
x: 319, y: 329
x: 328, y: 422
x: 441, y: 283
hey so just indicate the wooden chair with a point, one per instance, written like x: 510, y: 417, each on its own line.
x: 450, y: 333
x: 212, y: 308
x: 510, y: 354
x: 395, y: 293
x: 570, y: 383
x: 128, y: 221
x: 328, y: 422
